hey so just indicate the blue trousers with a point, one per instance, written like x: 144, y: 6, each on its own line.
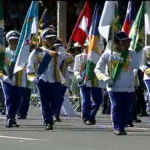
x: 13, y: 95
x: 147, y: 83
x: 91, y: 101
x: 49, y: 94
x: 121, y: 108
x: 60, y: 100
x: 25, y: 101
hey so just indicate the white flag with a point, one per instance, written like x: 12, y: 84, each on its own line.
x: 147, y: 18
x: 107, y: 18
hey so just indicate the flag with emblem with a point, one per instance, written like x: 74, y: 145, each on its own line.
x: 95, y: 47
x: 109, y: 25
x: 137, y: 33
x: 43, y: 23
x: 82, y: 26
x: 29, y: 27
x: 2, y: 43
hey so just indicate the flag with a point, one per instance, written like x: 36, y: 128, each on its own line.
x: 22, y: 51
x: 130, y: 17
x: 109, y: 25
x: 43, y: 23
x: 137, y: 30
x: 2, y: 43
x: 95, y: 47
x: 147, y: 18
x: 82, y: 26
x: 109, y: 20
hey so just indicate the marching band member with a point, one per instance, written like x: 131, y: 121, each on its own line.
x: 121, y: 91
x: 42, y: 69
x: 12, y: 92
x: 63, y: 64
x: 145, y: 67
x: 89, y: 107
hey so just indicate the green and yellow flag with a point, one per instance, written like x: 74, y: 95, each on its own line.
x: 137, y: 31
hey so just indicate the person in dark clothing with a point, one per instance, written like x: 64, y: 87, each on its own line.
x: 140, y: 102
x: 106, y: 103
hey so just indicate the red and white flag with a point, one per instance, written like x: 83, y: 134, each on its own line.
x: 82, y: 26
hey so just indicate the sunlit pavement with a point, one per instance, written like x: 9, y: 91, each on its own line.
x: 72, y: 134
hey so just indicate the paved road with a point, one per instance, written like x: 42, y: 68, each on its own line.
x: 71, y: 134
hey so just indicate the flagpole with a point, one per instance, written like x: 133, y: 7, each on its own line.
x: 45, y: 11
x: 147, y: 36
x: 37, y: 43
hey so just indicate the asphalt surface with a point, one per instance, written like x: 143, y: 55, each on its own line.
x: 72, y: 134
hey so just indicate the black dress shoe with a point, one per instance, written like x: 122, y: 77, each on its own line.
x: 56, y: 119
x: 117, y: 132
x: 22, y: 117
x: 49, y: 126
x: 137, y: 120
x: 11, y: 123
x: 124, y: 132
x: 93, y: 121
x: 130, y: 125
x: 90, y: 122
x: 84, y: 120
x: 14, y: 122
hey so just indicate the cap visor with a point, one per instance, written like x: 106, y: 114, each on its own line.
x: 13, y: 38
x: 49, y: 36
x: 57, y: 44
x: 125, y: 39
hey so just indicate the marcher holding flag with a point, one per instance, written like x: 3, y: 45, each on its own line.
x: 121, y: 89
x: 85, y: 64
x: 138, y: 45
x: 13, y: 84
x: 119, y: 76
x: 35, y: 42
x: 12, y: 92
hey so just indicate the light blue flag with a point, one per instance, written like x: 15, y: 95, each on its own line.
x: 22, y: 51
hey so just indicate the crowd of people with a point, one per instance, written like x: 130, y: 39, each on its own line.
x: 52, y: 66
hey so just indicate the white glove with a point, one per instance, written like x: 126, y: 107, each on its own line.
x: 109, y: 82
x: 135, y: 71
x: 114, y: 57
x: 34, y: 80
x: 6, y: 79
x: 79, y: 78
